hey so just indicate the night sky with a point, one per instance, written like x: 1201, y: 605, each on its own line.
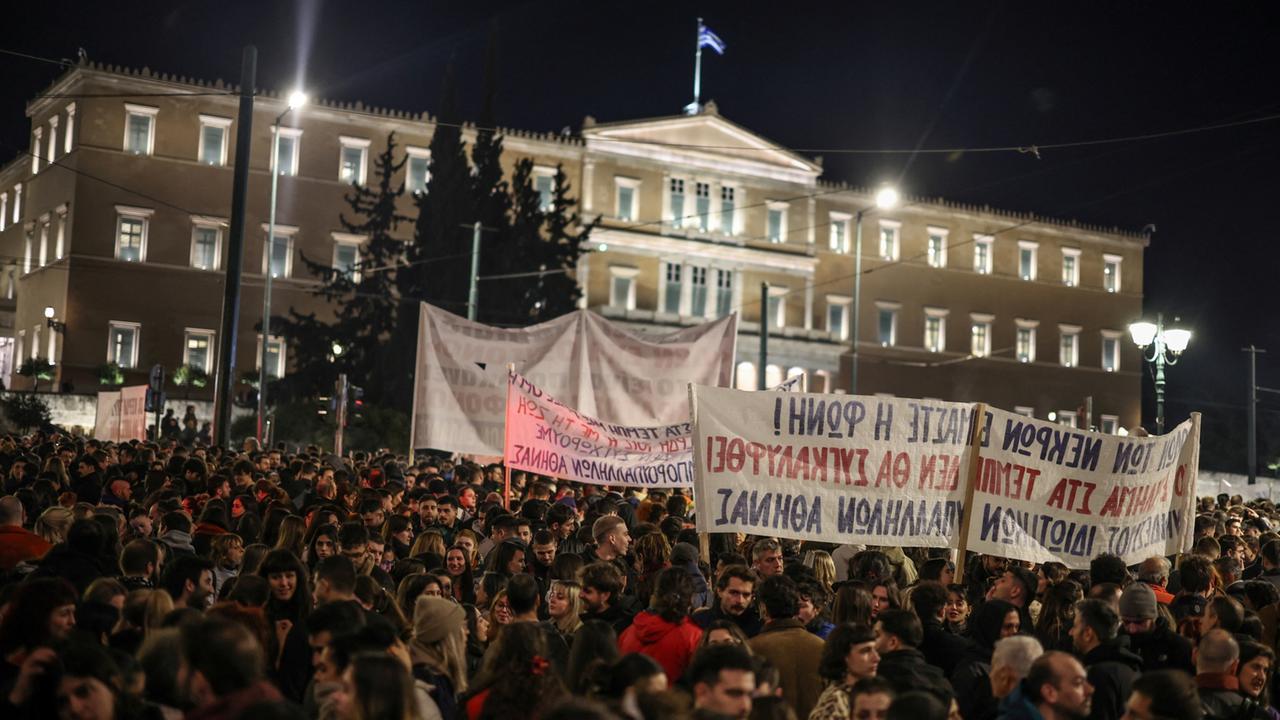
x: 826, y: 77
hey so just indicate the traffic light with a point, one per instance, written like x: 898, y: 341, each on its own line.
x: 355, y: 394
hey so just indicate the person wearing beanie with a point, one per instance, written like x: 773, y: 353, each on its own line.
x: 1150, y: 632
x: 439, y: 650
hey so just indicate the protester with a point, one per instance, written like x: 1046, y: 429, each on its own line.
x: 784, y: 641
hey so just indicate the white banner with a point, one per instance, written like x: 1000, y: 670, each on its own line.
x: 1048, y: 492
x: 547, y: 437
x: 122, y: 415
x: 581, y: 359
x: 830, y: 468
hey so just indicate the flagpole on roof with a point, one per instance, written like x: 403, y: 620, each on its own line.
x: 693, y: 107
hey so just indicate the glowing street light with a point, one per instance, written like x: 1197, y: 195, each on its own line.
x: 886, y: 198
x: 1166, y: 346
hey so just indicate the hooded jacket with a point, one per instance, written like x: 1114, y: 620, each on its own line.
x: 671, y: 644
x: 1111, y: 669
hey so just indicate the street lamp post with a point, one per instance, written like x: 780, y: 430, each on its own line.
x: 296, y: 100
x: 886, y: 198
x: 1167, y: 346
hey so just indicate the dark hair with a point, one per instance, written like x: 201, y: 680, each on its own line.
x: 852, y: 603
x: 871, y: 566
x: 501, y: 556
x: 1196, y: 572
x: 917, y: 705
x: 352, y: 534
x: 1100, y: 617
x: 181, y: 569
x: 603, y: 577
x: 1230, y: 613
x: 928, y: 598
x: 339, y: 571
x: 1172, y: 693
x: 932, y: 568
x: 673, y: 594
x: 251, y: 590
x: 383, y: 686
x: 283, y: 561
x: 873, y: 685
x: 517, y: 688
x: 522, y: 593
x: 780, y: 597
x: 225, y: 652
x: 1058, y: 610
x: 741, y: 572
x: 903, y: 624
x: 336, y: 618
x: 26, y: 623
x: 595, y: 645
x: 625, y: 672
x: 708, y: 663
x: 1108, y: 568
x: 176, y: 520
x: 834, y: 665
x: 140, y: 553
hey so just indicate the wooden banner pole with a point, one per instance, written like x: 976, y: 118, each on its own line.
x: 506, y: 423
x: 971, y: 484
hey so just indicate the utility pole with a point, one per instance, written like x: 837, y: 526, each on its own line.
x: 340, y: 412
x: 473, y: 295
x: 764, y: 335
x: 224, y: 380
x: 1088, y: 412
x: 1253, y: 412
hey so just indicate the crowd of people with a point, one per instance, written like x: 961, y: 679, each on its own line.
x: 163, y: 580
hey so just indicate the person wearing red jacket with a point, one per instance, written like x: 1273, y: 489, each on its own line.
x: 664, y: 632
x: 16, y: 542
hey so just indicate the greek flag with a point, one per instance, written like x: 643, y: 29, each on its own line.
x: 708, y: 39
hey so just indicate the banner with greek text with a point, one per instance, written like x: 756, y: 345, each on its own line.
x: 122, y: 415
x: 106, y: 424
x: 547, y: 437
x: 830, y: 468
x: 583, y: 360
x: 1047, y: 492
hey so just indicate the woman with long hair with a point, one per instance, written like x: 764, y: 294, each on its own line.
x: 477, y: 638
x: 724, y: 632
x: 500, y: 612
x: 438, y: 650
x: 653, y: 555
x: 508, y: 558
x: 824, y: 568
x: 852, y: 604
x: 397, y: 535
x: 376, y: 686
x: 1058, y: 614
x: 429, y: 542
x: 564, y: 605
x: 458, y: 567
x: 271, y: 520
x: 517, y: 679
x: 467, y: 538
x: 289, y: 603
x: 664, y: 631
x: 1254, y: 675
x: 53, y: 524
x: 322, y: 542
x: 595, y: 645
x: 956, y: 614
x: 292, y: 536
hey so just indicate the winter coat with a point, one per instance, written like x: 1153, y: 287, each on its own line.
x: 176, y: 543
x: 617, y: 617
x: 18, y: 544
x: 1163, y: 649
x: 1111, y: 669
x: 833, y: 704
x: 1016, y: 706
x: 672, y: 644
x: 941, y: 647
x: 796, y: 653
x: 748, y: 621
x: 80, y: 569
x: 1221, y: 698
x: 906, y: 669
x: 972, y: 677
x: 237, y: 703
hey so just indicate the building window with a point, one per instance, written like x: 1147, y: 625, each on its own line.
x: 1109, y: 424
x: 1110, y: 350
x: 622, y: 287
x: 625, y: 197
x: 280, y: 253
x: 122, y: 343
x: 1111, y: 273
x: 702, y: 205
x: 937, y: 247
x: 1025, y: 410
x: 139, y: 129
x: 982, y: 246
x: 206, y: 245
x: 698, y: 291
x: 838, y: 316
x: 1027, y: 259
x: 887, y: 324
x: 131, y: 233
x: 197, y: 349
x: 777, y: 307
x: 777, y: 222
x: 724, y: 292
x: 676, y: 197
x: 840, y: 232
x: 544, y: 182
x: 745, y: 374
x: 213, y: 139
x: 1068, y: 418
x: 889, y: 239
x: 671, y: 292
x: 346, y: 255
x: 66, y: 133
x: 60, y: 241
x: 728, y: 195
x: 288, y: 146
x: 275, y: 357
x: 980, y: 334
x: 1069, y: 345
x: 935, y: 329
x: 53, y: 139
x: 353, y: 160
x: 1071, y: 267
x: 1025, y: 346
x: 37, y: 149
x: 417, y: 170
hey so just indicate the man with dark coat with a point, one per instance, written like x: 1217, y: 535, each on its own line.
x: 1149, y: 634
x: 734, y: 593
x: 1111, y: 667
x: 786, y: 643
x: 1217, y: 661
x: 898, y: 633
x: 941, y: 648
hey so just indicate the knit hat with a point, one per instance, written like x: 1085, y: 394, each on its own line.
x: 435, y: 617
x: 1138, y: 602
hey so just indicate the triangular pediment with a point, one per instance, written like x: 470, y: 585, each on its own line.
x: 701, y: 140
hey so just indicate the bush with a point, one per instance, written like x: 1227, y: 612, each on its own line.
x: 26, y: 411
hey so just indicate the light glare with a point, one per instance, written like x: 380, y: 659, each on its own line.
x: 297, y: 99
x: 1177, y: 340
x: 1143, y: 333
x: 886, y: 198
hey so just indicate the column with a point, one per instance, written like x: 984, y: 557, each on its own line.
x: 808, y: 294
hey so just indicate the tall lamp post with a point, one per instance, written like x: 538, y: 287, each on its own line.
x: 886, y: 197
x: 296, y: 100
x: 1166, y: 346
